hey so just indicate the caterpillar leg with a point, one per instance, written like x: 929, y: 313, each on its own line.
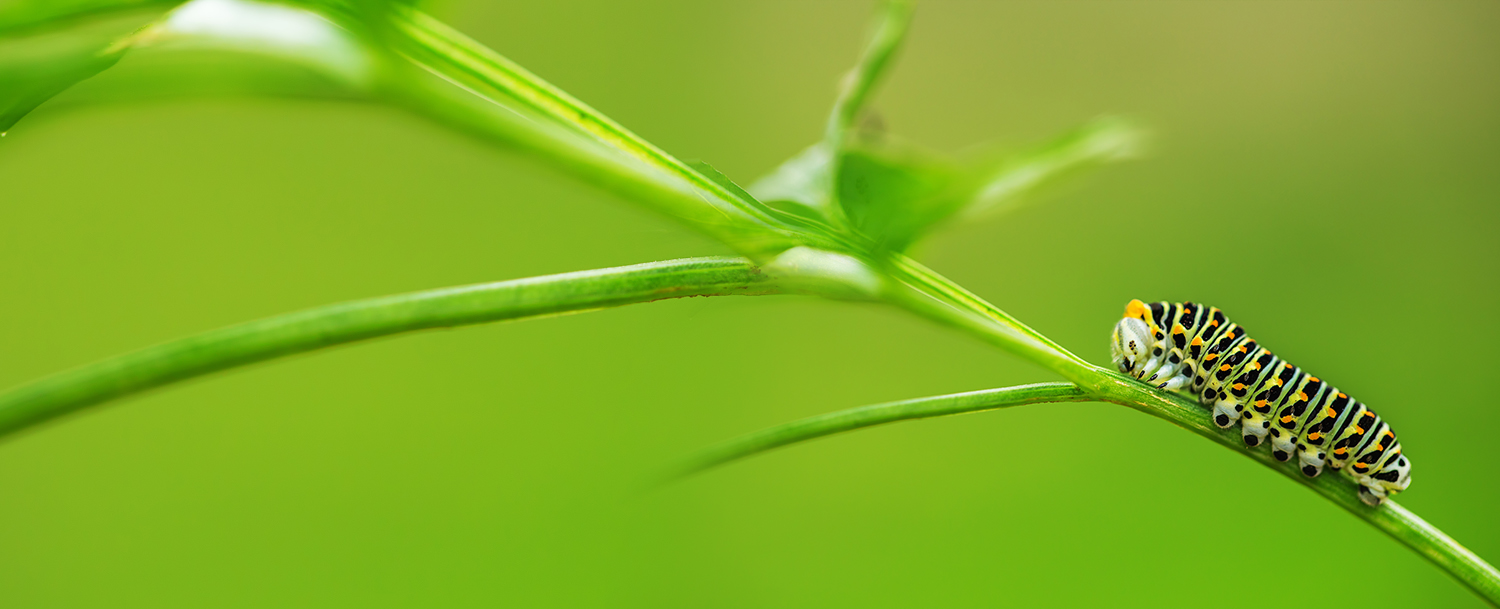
x: 1227, y: 411
x: 1283, y: 443
x: 1254, y: 427
x: 1372, y: 494
x: 1311, y: 459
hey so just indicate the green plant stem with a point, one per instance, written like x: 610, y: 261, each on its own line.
x: 483, y: 72
x: 1390, y: 517
x: 950, y: 304
x: 325, y: 326
x: 879, y: 414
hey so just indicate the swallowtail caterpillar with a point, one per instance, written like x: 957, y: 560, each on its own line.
x: 1192, y: 348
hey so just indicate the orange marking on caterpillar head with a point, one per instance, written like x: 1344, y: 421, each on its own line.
x: 1137, y: 309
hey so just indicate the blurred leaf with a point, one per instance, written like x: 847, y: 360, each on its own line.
x: 35, y: 67
x: 269, y: 30
x: 893, y: 193
x: 854, y: 91
x: 16, y: 15
x: 1004, y: 183
x: 799, y: 185
x: 806, y: 185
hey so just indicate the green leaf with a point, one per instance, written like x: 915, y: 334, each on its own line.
x: 799, y: 185
x: 1006, y: 182
x: 893, y: 193
x: 36, y: 67
x: 19, y: 15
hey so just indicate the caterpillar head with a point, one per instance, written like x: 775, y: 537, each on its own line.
x: 1130, y: 343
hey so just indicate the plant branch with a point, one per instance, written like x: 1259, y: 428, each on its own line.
x: 325, y: 326
x: 1389, y: 517
x: 878, y: 414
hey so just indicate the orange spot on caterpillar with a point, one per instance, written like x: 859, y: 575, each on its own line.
x: 1342, y: 396
x: 1224, y: 367
x: 1211, y: 357
x: 1313, y: 379
x: 1239, y: 386
x: 1302, y: 395
x: 1288, y: 419
x: 1213, y: 323
x: 1178, y: 329
x: 1197, y: 341
x: 1358, y: 430
x: 1314, y: 435
x: 1330, y: 412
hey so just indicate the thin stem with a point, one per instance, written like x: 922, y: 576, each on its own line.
x: 878, y: 414
x: 1392, y: 519
x: 1389, y: 517
x: 325, y: 326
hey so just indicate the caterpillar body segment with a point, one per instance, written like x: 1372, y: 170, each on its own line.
x: 1195, y: 349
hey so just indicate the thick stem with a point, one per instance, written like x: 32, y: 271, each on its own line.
x: 320, y: 327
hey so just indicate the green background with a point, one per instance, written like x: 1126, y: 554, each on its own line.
x: 1325, y: 172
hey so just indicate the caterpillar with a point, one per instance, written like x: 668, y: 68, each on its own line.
x: 1193, y: 348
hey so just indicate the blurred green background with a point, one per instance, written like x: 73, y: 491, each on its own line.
x: 1325, y: 172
